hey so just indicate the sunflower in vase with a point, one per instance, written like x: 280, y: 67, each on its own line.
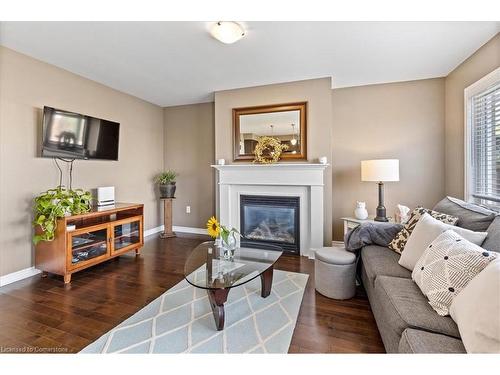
x: 224, y: 235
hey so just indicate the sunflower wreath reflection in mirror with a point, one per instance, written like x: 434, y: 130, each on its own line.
x: 268, y: 150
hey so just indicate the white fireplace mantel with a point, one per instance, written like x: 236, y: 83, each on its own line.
x: 303, y: 180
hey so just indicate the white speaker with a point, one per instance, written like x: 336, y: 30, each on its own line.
x: 105, y: 196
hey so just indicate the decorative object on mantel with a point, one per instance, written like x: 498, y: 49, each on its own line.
x: 360, y: 212
x: 268, y: 150
x: 402, y: 214
x: 221, y: 162
x: 167, y: 218
x: 55, y: 204
x: 225, y: 238
x: 382, y: 170
x: 166, y: 182
x: 323, y: 160
x: 285, y: 122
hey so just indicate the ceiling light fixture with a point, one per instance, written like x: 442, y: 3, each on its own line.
x: 227, y: 32
x: 293, y: 141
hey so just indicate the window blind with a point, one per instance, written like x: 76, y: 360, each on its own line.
x: 485, y: 146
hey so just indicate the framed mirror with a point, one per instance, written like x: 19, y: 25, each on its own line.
x: 286, y: 122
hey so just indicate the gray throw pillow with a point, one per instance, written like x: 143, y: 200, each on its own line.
x: 492, y: 242
x: 470, y: 215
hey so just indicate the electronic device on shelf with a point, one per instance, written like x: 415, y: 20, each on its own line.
x: 105, y: 196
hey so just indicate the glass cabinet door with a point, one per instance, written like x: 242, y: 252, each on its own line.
x: 88, y: 245
x: 126, y: 235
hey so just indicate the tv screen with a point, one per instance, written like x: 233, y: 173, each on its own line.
x: 74, y: 136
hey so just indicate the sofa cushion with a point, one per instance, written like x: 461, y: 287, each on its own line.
x: 399, y: 241
x: 428, y: 229
x: 417, y: 341
x: 448, y: 264
x: 405, y: 306
x: 492, y: 242
x: 378, y: 260
x: 470, y: 216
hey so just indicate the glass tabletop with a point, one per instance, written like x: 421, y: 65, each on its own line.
x: 206, y: 267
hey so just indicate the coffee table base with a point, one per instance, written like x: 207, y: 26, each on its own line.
x: 218, y: 297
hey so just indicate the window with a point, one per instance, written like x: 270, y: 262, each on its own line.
x: 482, y: 140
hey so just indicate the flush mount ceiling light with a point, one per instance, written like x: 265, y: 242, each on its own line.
x: 227, y: 31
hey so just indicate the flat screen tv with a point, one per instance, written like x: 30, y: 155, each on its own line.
x: 74, y: 136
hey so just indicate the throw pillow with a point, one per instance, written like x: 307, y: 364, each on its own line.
x: 470, y: 216
x: 446, y: 267
x: 426, y: 230
x: 476, y: 310
x: 399, y: 242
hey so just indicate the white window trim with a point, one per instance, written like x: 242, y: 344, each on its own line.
x: 477, y: 87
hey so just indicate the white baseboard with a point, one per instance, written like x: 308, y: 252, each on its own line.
x: 19, y: 275
x: 338, y: 243
x: 151, y: 231
x: 175, y: 228
x: 192, y: 230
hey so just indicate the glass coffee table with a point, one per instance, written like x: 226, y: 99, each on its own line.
x: 206, y: 268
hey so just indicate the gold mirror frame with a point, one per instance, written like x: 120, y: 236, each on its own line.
x: 299, y: 106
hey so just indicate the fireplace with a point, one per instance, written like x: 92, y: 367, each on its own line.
x: 271, y: 220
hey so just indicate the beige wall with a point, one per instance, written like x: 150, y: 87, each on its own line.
x: 189, y: 150
x: 403, y: 121
x: 26, y: 85
x: 317, y: 93
x: 483, y: 61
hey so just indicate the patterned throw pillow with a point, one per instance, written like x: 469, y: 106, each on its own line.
x: 399, y: 242
x: 447, y: 266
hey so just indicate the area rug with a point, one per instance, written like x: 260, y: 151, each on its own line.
x: 181, y: 321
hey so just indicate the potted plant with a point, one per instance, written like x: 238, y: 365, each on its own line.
x: 55, y: 204
x: 166, y: 182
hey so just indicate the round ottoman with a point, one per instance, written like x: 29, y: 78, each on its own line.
x: 335, y: 272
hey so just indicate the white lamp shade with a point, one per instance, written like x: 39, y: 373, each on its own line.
x: 380, y: 170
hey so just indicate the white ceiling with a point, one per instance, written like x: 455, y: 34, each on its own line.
x: 172, y: 63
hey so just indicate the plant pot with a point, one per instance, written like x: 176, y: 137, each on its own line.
x: 167, y: 190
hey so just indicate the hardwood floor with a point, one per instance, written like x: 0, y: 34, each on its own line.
x: 44, y: 315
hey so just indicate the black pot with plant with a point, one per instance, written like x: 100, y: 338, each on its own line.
x: 166, y: 182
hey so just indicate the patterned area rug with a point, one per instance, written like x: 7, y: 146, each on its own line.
x: 181, y: 321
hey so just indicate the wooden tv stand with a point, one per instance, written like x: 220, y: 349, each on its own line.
x: 99, y: 235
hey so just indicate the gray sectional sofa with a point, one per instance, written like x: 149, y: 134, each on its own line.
x: 406, y: 321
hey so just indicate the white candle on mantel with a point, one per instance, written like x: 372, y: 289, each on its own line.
x: 221, y: 162
x: 323, y: 160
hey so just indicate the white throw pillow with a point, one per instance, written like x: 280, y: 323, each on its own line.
x: 447, y: 266
x: 476, y: 310
x: 426, y: 230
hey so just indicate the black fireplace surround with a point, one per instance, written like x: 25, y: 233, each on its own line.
x: 271, y: 220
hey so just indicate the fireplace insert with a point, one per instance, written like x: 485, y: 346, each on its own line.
x: 271, y: 220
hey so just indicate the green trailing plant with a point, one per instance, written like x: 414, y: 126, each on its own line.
x: 55, y: 204
x: 166, y: 177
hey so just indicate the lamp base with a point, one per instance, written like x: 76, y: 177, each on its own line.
x: 381, y: 212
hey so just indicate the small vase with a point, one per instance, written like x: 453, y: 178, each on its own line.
x: 229, y: 247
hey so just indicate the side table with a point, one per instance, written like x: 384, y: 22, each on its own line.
x: 352, y: 222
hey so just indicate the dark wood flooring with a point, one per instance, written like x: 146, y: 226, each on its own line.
x: 44, y: 315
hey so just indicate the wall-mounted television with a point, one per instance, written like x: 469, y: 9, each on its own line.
x: 75, y: 136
